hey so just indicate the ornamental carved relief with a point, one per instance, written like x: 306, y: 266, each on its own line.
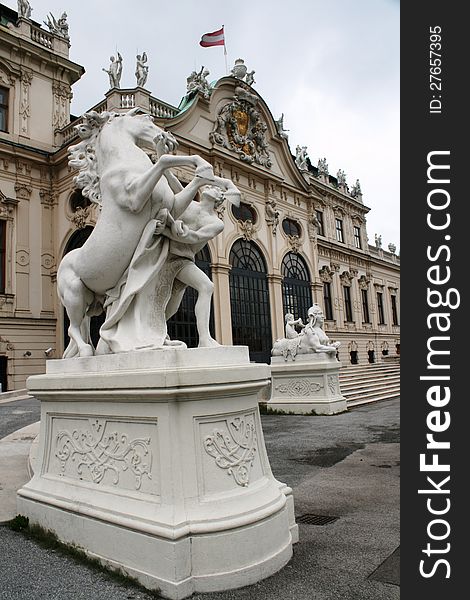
x: 23, y: 192
x: 332, y: 379
x: 346, y: 278
x: 326, y: 274
x: 22, y: 257
x: 80, y: 217
x: 299, y: 387
x: 294, y: 243
x: 234, y: 447
x: 363, y: 282
x: 62, y: 97
x: 25, y: 108
x: 247, y: 229
x: 241, y: 128
x: 97, y: 452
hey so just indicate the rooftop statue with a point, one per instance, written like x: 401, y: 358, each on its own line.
x: 378, y: 241
x: 312, y: 339
x: 58, y: 26
x: 341, y: 177
x: 280, y: 127
x: 115, y: 71
x: 141, y: 69
x: 24, y: 9
x: 323, y: 167
x: 197, y: 82
x: 301, y: 158
x: 356, y: 189
x: 140, y: 256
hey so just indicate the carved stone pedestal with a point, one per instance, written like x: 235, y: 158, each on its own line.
x: 310, y: 383
x: 154, y: 462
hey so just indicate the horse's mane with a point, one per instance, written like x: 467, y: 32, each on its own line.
x: 82, y: 155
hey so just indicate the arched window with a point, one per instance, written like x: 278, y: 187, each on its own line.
x: 296, y: 290
x: 249, y: 300
x: 182, y: 325
x: 79, y: 237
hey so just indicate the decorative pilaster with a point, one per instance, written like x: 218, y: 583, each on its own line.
x: 25, y: 108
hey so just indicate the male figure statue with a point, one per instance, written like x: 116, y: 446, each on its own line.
x: 114, y: 72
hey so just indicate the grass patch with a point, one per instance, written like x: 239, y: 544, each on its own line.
x: 264, y: 409
x: 48, y: 539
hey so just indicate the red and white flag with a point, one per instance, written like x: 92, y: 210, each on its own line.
x: 216, y: 38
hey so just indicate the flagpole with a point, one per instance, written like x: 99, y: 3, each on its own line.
x: 225, y: 52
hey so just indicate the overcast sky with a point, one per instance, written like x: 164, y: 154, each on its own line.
x: 332, y: 68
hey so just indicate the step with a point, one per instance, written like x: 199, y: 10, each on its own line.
x: 354, y: 385
x: 14, y: 395
x: 364, y: 380
x: 395, y: 391
x: 354, y: 403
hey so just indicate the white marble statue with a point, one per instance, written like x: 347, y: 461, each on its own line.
x: 58, y: 26
x: 280, y: 127
x: 301, y: 158
x: 291, y: 322
x: 378, y: 241
x: 197, y: 82
x: 341, y: 178
x: 141, y: 69
x: 272, y: 215
x: 239, y: 69
x: 115, y: 71
x: 311, y: 339
x: 250, y: 78
x: 136, y: 262
x: 323, y: 167
x: 356, y: 190
x: 24, y: 9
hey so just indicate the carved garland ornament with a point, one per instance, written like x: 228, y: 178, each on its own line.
x: 240, y: 128
x: 95, y: 453
x: 234, y: 447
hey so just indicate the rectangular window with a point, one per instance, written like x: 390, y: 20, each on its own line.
x: 357, y: 237
x: 339, y: 230
x: 347, y: 303
x: 3, y: 227
x: 327, y: 301
x: 321, y: 229
x: 3, y: 109
x: 380, y: 308
x: 394, y: 309
x: 365, y: 306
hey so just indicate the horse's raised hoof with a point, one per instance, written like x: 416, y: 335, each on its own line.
x: 205, y: 173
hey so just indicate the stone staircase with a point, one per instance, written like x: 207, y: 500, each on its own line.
x: 362, y: 384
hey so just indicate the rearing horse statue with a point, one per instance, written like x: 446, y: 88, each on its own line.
x: 121, y: 263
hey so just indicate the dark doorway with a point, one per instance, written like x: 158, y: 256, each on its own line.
x: 249, y: 300
x: 354, y: 357
x: 371, y: 354
x: 3, y: 374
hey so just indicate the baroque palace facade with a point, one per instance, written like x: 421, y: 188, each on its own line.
x: 298, y: 237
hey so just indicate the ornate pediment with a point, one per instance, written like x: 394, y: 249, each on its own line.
x: 241, y: 128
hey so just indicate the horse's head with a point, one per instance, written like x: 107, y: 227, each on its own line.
x: 141, y: 127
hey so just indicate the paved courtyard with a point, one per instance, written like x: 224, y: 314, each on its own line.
x: 344, y: 466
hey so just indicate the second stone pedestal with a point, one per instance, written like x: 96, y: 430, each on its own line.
x: 308, y: 384
x: 154, y: 462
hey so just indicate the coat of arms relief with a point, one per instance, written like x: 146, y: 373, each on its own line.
x: 241, y: 128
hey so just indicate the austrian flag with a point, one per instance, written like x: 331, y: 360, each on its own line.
x: 216, y: 38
